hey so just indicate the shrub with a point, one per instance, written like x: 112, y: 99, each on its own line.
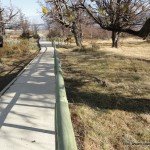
x: 18, y: 47
x: 25, y: 35
x: 36, y: 36
x: 53, y: 34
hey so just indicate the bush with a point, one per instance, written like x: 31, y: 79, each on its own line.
x: 53, y: 34
x: 36, y: 36
x: 25, y: 35
x: 1, y: 41
x: 18, y: 47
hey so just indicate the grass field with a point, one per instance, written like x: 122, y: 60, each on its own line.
x: 109, y: 92
x: 14, y: 56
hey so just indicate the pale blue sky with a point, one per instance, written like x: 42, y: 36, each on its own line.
x: 29, y: 7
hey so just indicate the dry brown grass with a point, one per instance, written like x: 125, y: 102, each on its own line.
x: 13, y: 57
x: 20, y: 47
x: 109, y: 91
x: 131, y: 47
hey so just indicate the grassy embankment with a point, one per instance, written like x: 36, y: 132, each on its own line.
x: 14, y: 56
x: 109, y: 92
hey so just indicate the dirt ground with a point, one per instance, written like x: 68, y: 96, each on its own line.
x: 108, y: 90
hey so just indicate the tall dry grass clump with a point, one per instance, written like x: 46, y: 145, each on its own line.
x: 17, y: 47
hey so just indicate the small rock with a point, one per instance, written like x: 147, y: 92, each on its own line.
x: 33, y: 141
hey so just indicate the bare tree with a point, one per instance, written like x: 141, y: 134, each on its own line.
x: 6, y: 15
x: 35, y: 29
x: 67, y: 14
x: 120, y: 16
x: 24, y: 26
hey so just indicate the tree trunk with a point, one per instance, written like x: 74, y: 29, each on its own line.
x: 115, y: 39
x: 2, y: 29
x: 1, y: 36
x: 77, y: 40
x: 1, y: 41
x: 77, y: 35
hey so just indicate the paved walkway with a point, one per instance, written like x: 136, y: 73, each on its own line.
x: 27, y: 108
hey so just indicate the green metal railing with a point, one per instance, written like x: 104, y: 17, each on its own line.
x: 65, y: 138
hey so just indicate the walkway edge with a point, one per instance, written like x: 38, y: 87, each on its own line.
x: 11, y: 83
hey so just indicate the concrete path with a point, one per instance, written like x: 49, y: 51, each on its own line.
x: 27, y: 108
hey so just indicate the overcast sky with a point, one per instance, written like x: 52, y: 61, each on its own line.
x: 29, y: 7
